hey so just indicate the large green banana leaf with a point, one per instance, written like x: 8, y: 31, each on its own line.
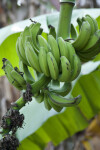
x: 42, y: 126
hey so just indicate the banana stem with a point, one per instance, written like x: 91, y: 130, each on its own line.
x: 15, y: 106
x: 66, y: 7
x: 19, y: 104
x: 27, y: 96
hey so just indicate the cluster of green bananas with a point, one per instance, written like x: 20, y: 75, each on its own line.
x: 47, y: 56
x: 55, y: 101
x: 54, y: 61
x: 14, y: 76
x: 87, y: 43
x: 43, y: 89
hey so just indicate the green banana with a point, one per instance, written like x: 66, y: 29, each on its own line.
x: 96, y: 24
x: 71, y: 52
x: 46, y: 103
x: 64, y: 102
x: 29, y: 39
x: 77, y: 68
x: 7, y: 69
x: 18, y: 53
x: 39, y: 98
x: 63, y: 47
x: 34, y: 32
x: 52, y: 31
x: 6, y: 62
x: 55, y: 107
x: 25, y: 33
x: 83, y: 36
x: 17, y: 70
x: 79, y: 21
x: 40, y: 31
x: 66, y: 70
x: 40, y: 83
x: 54, y: 48
x: 43, y: 43
x: 91, y: 22
x: 92, y: 41
x: 63, y: 91
x: 21, y: 48
x: 91, y: 53
x: 32, y: 57
x: 73, y: 32
x: 16, y: 76
x: 53, y: 67
x: 27, y: 75
x: 43, y: 61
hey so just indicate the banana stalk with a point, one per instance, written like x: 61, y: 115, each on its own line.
x: 66, y: 7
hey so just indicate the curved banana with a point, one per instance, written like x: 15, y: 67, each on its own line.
x: 83, y: 36
x: 96, y: 24
x: 79, y: 21
x: 92, y: 41
x: 77, y: 68
x: 26, y: 33
x: 43, y: 43
x: 40, y: 31
x: 63, y: 47
x: 43, y: 61
x: 64, y: 102
x: 17, y: 76
x: 18, y: 53
x: 91, y: 53
x: 7, y: 69
x: 34, y: 32
x: 63, y: 91
x: 46, y: 103
x: 40, y: 83
x: 6, y: 62
x: 54, y: 106
x: 71, y: 52
x: 73, y: 32
x: 21, y: 49
x: 32, y: 57
x: 52, y: 31
x: 53, y: 67
x: 54, y: 48
x: 39, y: 98
x: 29, y: 39
x: 66, y: 70
x: 27, y: 75
x: 91, y: 22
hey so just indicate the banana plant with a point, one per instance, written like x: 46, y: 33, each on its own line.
x: 56, y: 60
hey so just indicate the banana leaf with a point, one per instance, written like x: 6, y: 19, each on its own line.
x: 42, y: 126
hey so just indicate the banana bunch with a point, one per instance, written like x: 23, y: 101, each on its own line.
x: 86, y: 44
x: 43, y: 90
x: 53, y: 60
x: 55, y: 101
